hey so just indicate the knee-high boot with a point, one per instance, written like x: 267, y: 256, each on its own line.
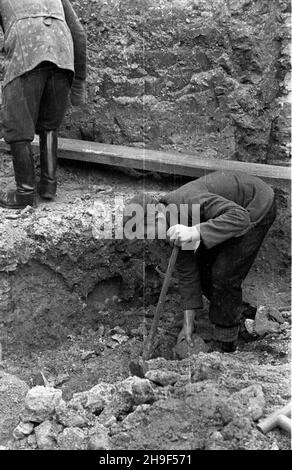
x: 24, y: 172
x: 48, y: 162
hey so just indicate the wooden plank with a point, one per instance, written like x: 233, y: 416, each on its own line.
x: 165, y: 162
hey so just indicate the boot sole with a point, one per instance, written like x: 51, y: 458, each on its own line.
x: 47, y: 197
x: 8, y: 206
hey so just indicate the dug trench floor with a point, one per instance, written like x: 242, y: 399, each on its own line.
x: 75, y: 308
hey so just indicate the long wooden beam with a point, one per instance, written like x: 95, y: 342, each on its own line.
x: 157, y: 161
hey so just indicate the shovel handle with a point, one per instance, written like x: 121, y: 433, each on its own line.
x: 149, y: 342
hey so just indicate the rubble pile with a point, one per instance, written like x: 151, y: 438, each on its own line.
x: 84, y: 422
x: 190, y: 404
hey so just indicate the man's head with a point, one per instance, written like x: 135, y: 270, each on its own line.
x: 143, y: 216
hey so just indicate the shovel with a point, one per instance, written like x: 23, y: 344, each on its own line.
x: 138, y: 367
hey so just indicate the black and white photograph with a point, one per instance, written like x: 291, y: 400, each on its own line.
x: 145, y: 228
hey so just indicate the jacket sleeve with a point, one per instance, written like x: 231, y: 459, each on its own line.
x: 79, y: 40
x: 223, y: 219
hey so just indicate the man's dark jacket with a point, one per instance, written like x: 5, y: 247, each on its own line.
x: 230, y: 204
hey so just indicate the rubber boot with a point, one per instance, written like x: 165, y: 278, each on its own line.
x: 48, y: 161
x: 24, y: 171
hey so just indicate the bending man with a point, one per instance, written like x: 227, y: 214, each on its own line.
x: 235, y: 212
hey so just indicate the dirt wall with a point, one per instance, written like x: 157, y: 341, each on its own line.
x: 192, y: 75
x: 210, y: 78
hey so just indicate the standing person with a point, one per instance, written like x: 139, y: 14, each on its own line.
x: 235, y: 213
x: 45, y: 58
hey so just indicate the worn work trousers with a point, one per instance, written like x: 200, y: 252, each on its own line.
x: 218, y: 273
x: 35, y: 101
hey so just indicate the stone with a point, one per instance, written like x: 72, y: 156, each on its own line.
x: 142, y: 391
x: 72, y: 439
x: 46, y: 435
x: 99, y: 439
x: 23, y: 430
x: 12, y: 397
x: 40, y: 402
x: 69, y: 417
x: 129, y: 393
x: 262, y: 324
x: 94, y: 399
x: 250, y: 326
x: 162, y: 377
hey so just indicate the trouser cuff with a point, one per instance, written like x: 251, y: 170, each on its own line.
x: 194, y: 303
x: 226, y: 335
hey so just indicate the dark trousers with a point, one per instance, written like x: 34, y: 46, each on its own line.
x: 35, y: 101
x: 219, y: 272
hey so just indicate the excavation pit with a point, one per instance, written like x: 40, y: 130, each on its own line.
x: 75, y: 308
